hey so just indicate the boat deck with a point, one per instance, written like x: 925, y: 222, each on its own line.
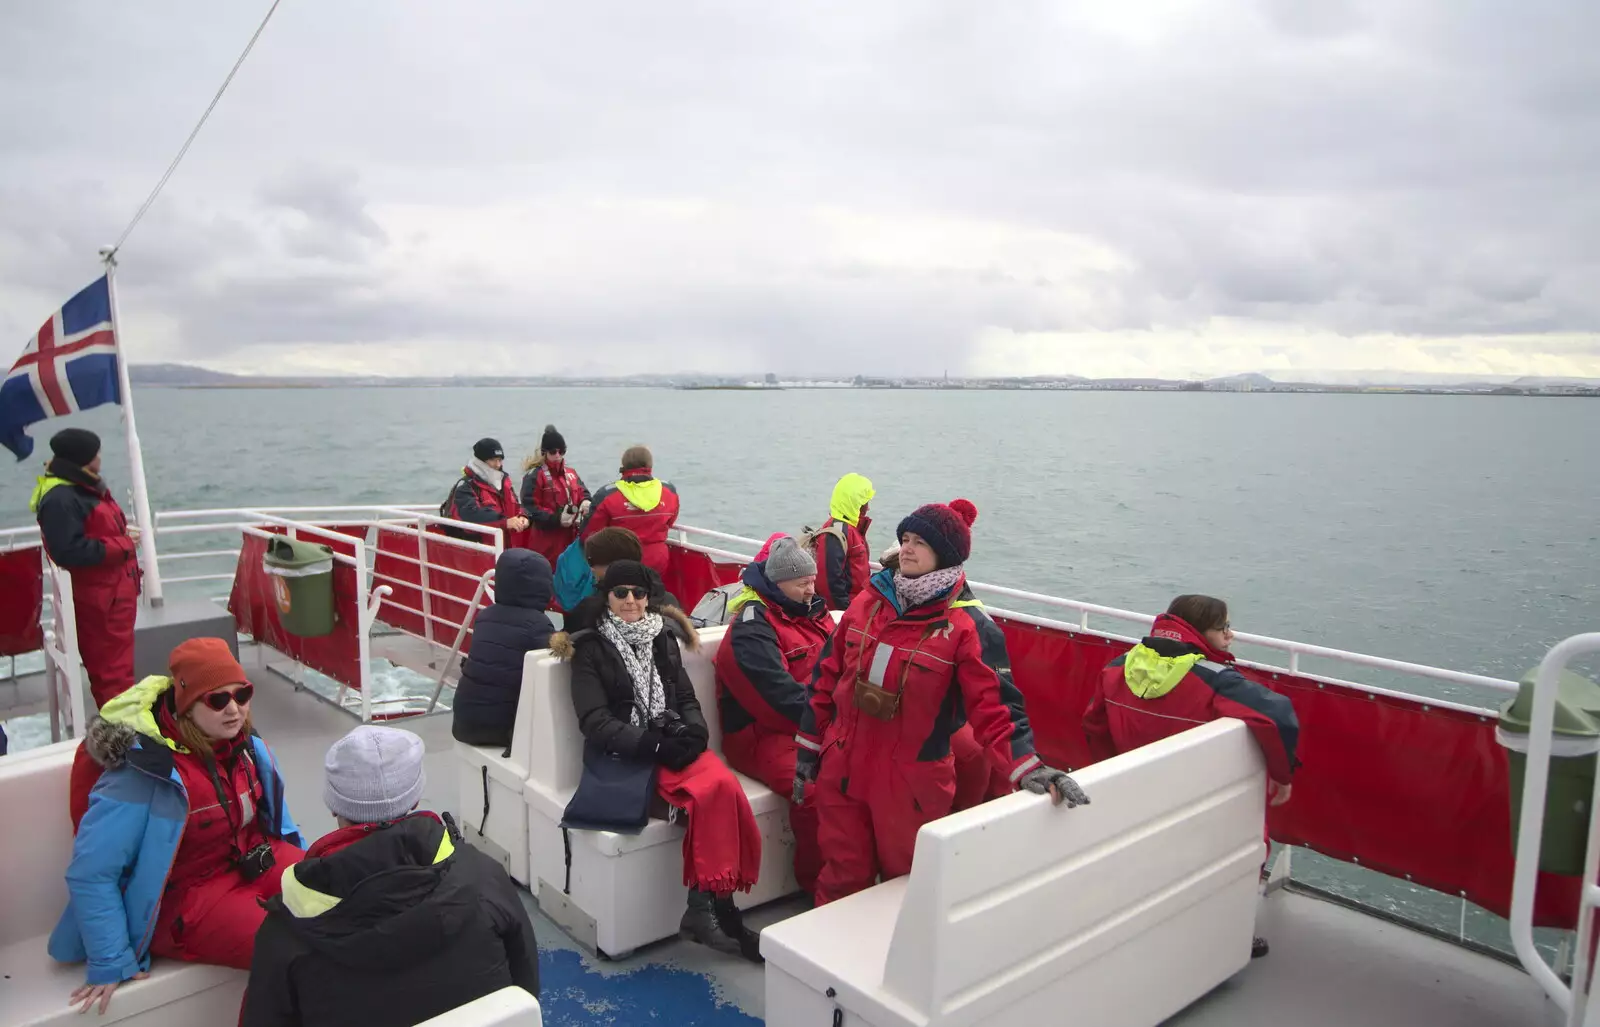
x: 1329, y: 967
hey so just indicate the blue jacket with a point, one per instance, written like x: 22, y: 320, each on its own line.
x: 129, y: 837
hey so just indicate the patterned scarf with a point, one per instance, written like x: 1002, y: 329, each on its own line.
x: 635, y: 643
x: 913, y: 592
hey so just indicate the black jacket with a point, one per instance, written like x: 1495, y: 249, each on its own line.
x: 502, y: 634
x: 419, y: 924
x: 64, y: 513
x: 602, y: 691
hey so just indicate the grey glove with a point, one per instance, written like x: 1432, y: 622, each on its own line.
x: 806, y: 762
x: 1057, y: 784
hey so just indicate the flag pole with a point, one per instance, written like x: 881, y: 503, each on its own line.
x: 141, y: 492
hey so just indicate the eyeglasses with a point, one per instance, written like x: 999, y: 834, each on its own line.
x: 219, y: 700
x: 555, y: 452
x: 627, y: 592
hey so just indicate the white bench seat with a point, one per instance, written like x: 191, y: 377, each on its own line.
x: 33, y: 987
x: 505, y: 835
x: 1117, y: 914
x: 627, y: 890
x: 508, y: 1007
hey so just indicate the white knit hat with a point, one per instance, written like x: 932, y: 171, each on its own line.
x: 374, y: 774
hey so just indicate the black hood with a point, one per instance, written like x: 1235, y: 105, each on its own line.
x: 522, y: 578
x: 66, y: 470
x: 392, y: 899
x: 755, y: 577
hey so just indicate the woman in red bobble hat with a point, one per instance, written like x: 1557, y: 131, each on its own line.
x: 913, y: 656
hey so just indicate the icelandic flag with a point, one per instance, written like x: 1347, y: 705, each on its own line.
x: 70, y: 365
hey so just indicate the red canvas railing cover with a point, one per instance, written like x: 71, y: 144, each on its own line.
x: 21, y: 601
x: 405, y: 578
x: 255, y: 611
x: 1396, y: 785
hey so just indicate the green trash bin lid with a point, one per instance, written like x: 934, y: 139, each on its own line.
x: 292, y: 558
x: 1577, y: 724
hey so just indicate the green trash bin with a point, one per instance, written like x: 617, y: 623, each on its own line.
x: 302, y: 585
x: 1572, y: 767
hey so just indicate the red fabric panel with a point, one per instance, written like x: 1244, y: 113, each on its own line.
x: 691, y: 575
x: 1398, y: 786
x: 21, y: 601
x: 255, y: 611
x: 448, y: 612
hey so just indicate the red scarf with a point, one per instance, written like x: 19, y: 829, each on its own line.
x: 722, y: 847
x: 557, y: 470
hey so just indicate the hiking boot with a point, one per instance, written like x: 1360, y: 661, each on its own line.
x: 731, y: 920
x: 1259, y: 948
x: 705, y: 923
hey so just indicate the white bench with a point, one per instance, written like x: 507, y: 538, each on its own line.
x: 508, y: 1007
x: 484, y: 773
x: 627, y: 890
x: 1116, y: 914
x: 33, y: 892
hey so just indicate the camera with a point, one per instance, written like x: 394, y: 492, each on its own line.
x: 256, y: 862
x: 669, y: 724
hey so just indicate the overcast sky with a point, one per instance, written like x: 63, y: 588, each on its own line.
x: 1160, y: 187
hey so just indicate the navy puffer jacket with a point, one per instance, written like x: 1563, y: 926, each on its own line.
x: 491, y: 676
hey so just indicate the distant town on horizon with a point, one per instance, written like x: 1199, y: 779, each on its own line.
x: 191, y: 377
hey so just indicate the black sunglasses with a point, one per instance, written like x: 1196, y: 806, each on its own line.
x: 219, y: 700
x: 629, y: 592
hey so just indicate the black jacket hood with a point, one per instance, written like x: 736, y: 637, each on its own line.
x: 523, y: 578
x: 388, y: 900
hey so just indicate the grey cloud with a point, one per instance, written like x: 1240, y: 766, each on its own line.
x: 1420, y: 167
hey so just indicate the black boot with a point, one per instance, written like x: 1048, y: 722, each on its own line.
x: 1259, y: 948
x: 702, y: 924
x: 731, y: 919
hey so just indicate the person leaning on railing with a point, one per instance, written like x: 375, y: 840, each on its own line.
x: 876, y: 735
x: 185, y: 830
x: 1180, y: 675
x: 638, y: 501
x: 85, y: 532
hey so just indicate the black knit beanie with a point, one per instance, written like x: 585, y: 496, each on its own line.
x: 625, y: 572
x: 487, y: 449
x: 76, y: 445
x: 551, y: 441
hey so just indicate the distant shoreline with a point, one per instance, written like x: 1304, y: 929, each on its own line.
x: 1280, y: 390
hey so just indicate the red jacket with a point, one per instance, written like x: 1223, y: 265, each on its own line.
x: 644, y: 505
x: 1174, y: 680
x: 843, y: 563
x: 947, y: 661
x: 544, y: 496
x: 767, y: 656
x: 84, y: 531
x: 475, y: 501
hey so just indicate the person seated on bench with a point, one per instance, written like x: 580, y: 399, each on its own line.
x: 392, y: 918
x: 186, y: 829
x: 776, y: 630
x: 912, y: 652
x: 1183, y: 675
x: 634, y: 698
x: 485, y: 706
x: 600, y: 550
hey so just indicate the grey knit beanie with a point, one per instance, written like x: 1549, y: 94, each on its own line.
x: 787, y: 561
x: 374, y: 774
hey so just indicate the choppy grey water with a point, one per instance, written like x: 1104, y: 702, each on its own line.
x: 1457, y: 531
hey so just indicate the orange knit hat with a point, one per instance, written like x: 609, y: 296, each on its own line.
x: 202, y: 665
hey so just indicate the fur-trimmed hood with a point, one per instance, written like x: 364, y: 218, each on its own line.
x: 563, y: 644
x: 123, y: 720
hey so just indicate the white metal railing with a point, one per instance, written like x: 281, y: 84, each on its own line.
x: 1574, y: 1000
x: 63, y: 669
x: 1295, y: 650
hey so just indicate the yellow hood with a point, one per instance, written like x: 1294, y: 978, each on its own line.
x: 644, y: 494
x: 43, y: 485
x: 853, y: 492
x: 1150, y: 675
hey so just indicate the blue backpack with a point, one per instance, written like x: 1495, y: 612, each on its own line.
x: 574, y: 581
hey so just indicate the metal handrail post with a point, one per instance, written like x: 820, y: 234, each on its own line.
x: 461, y: 634
x: 1530, y: 827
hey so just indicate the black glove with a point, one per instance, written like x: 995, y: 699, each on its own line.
x: 649, y: 745
x: 698, y: 731
x: 679, y: 751
x: 806, y: 762
x: 1042, y: 779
